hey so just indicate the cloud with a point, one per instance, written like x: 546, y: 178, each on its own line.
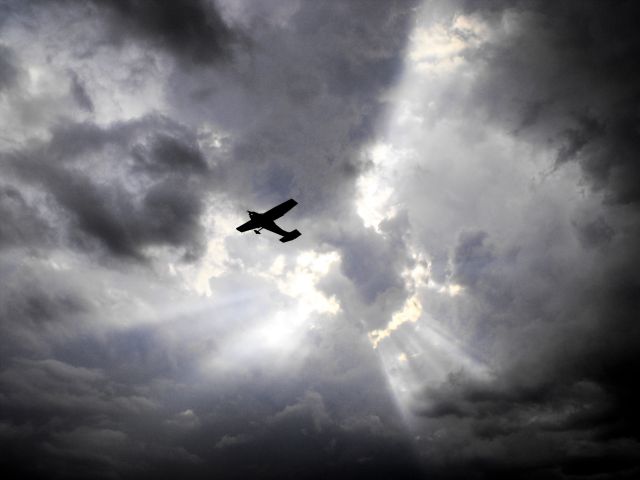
x: 496, y: 267
x: 23, y: 224
x: 162, y: 209
x: 498, y: 124
x: 576, y: 88
x: 194, y: 30
x: 471, y: 257
x: 295, y: 116
x: 312, y: 442
x: 80, y: 94
x: 8, y: 72
x: 194, y: 33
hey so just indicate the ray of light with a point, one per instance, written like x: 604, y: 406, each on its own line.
x: 413, y: 348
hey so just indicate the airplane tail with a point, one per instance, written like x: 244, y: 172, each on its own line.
x: 290, y: 236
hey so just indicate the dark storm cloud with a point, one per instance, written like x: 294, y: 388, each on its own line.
x: 80, y: 94
x: 289, y: 431
x: 575, y: 67
x: 471, y: 257
x: 164, y: 211
x: 106, y: 371
x: 560, y: 329
x: 193, y: 29
x: 91, y: 436
x: 8, y: 70
x: 113, y: 416
x: 546, y: 308
x: 318, y: 446
x: 552, y: 309
x: 306, y: 98
x: 568, y: 74
x: 171, y: 154
x: 22, y: 224
x: 31, y: 309
x: 102, y: 386
x: 371, y: 263
x: 594, y: 232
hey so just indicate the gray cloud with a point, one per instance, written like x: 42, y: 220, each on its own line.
x: 297, y: 113
x: 194, y: 33
x: 140, y: 134
x: 577, y: 87
x: 22, y: 223
x: 132, y: 125
x: 80, y: 94
x: 518, y: 189
x: 8, y: 71
x: 193, y: 30
x: 165, y: 211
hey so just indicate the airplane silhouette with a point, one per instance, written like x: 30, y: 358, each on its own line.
x: 266, y: 221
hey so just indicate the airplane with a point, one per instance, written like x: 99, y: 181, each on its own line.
x: 265, y: 221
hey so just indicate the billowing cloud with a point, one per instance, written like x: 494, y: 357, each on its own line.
x: 160, y: 207
x: 462, y: 300
x: 7, y: 69
x: 143, y: 337
x: 520, y: 373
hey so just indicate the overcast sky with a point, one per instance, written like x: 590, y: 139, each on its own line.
x: 463, y: 302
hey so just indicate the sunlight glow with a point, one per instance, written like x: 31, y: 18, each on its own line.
x: 282, y: 331
x: 410, y: 312
x: 374, y: 190
x: 433, y: 50
x: 300, y: 283
x: 415, y: 278
x: 413, y: 347
x: 35, y: 75
x: 277, y: 334
x: 440, y: 48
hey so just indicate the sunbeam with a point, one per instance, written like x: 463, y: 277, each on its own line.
x: 414, y: 348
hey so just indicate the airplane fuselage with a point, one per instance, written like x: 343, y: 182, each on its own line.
x: 266, y: 223
x: 266, y: 220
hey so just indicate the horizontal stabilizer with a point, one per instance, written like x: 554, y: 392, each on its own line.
x: 290, y: 236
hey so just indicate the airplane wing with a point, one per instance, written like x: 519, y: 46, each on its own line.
x: 250, y: 225
x: 280, y: 210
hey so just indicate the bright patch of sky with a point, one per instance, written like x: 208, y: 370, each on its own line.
x: 414, y: 346
x: 433, y: 50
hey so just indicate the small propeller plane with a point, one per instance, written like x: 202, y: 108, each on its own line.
x: 266, y: 221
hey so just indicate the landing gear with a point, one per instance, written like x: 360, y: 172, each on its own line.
x: 257, y: 231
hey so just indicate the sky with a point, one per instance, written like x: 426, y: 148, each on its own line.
x: 463, y: 302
